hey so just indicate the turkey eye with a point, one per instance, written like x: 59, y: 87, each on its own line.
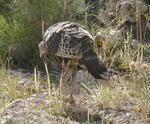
x: 67, y: 38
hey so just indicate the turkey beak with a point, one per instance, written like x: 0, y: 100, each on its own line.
x: 42, y: 49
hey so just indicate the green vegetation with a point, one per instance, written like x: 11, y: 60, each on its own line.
x: 22, y: 23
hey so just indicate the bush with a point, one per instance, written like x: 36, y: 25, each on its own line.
x: 22, y: 30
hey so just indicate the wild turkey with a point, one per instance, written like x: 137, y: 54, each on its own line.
x: 71, y: 45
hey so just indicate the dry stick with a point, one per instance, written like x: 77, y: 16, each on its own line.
x: 60, y: 88
x: 48, y: 79
x: 138, y: 32
x: 137, y: 21
x: 42, y: 20
x: 138, y: 18
x: 35, y: 79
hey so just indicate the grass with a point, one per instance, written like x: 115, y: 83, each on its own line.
x: 128, y: 93
x: 128, y: 87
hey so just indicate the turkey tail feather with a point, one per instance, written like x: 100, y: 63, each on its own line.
x: 94, y: 66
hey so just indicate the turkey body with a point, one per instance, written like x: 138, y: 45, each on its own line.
x: 71, y: 44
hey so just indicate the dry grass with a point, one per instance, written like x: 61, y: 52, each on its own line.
x: 128, y: 93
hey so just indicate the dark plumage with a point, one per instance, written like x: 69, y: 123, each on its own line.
x: 72, y: 43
